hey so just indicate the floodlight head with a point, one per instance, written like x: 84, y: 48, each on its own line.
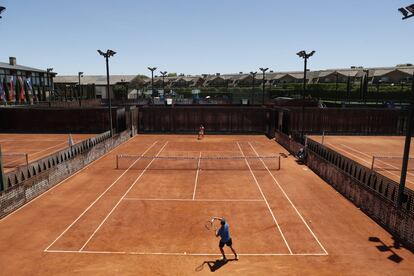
x: 163, y: 73
x: 110, y: 53
x: 101, y: 53
x: 263, y: 69
x: 80, y: 74
x: 311, y: 53
x: 253, y: 73
x: 403, y: 11
x: 49, y: 70
x: 301, y: 54
x: 152, y: 69
x: 2, y: 9
x: 407, y: 12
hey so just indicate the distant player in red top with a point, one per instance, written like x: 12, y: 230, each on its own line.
x: 201, y: 132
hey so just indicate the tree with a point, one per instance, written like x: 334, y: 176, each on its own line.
x: 138, y: 82
x: 172, y: 75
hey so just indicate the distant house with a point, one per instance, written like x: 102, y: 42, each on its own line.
x: 336, y: 76
x: 67, y: 84
x: 288, y: 77
x: 247, y: 80
x: 215, y: 81
x: 396, y: 75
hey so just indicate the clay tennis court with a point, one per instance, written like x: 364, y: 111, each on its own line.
x: 15, y: 146
x: 149, y: 219
x: 388, y: 152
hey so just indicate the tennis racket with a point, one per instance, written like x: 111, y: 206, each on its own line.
x: 209, y: 224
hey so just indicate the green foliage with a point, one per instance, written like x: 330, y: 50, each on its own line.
x: 137, y: 82
x: 171, y: 74
x: 119, y: 91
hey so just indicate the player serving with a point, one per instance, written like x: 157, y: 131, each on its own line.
x: 225, y: 238
x: 201, y: 132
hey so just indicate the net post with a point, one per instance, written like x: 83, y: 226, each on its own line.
x: 372, y: 164
x: 323, y: 137
x: 27, y: 159
x: 117, y: 162
x: 278, y: 162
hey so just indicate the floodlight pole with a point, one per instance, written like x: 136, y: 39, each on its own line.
x: 125, y: 97
x: 336, y: 87
x: 253, y: 81
x: 107, y: 55
x: 263, y: 84
x: 163, y: 74
x: 152, y: 69
x: 407, y: 144
x: 80, y: 74
x: 48, y: 70
x: 406, y: 148
x: 305, y: 57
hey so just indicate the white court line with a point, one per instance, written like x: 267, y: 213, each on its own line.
x: 178, y: 253
x: 370, y: 156
x: 197, y: 200
x: 60, y: 183
x: 37, y: 152
x: 31, y: 140
x: 267, y: 203
x: 363, y: 160
x: 123, y: 196
x: 291, y: 203
x: 196, y: 178
x: 93, y: 203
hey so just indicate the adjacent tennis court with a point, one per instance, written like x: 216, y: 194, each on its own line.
x: 381, y: 153
x: 142, y: 208
x: 20, y: 149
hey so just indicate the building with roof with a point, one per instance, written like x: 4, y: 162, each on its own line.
x: 23, y: 84
x: 67, y: 85
x: 392, y: 75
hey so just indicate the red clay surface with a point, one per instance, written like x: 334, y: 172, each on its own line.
x: 104, y: 221
x: 36, y: 146
x: 362, y: 148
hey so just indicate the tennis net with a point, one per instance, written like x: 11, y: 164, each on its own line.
x: 140, y: 162
x: 390, y: 163
x: 12, y: 160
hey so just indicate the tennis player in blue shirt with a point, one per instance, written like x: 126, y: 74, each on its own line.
x: 225, y: 238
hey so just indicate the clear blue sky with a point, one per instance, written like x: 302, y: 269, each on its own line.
x: 204, y: 36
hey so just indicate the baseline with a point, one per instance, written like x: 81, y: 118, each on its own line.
x: 178, y: 253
